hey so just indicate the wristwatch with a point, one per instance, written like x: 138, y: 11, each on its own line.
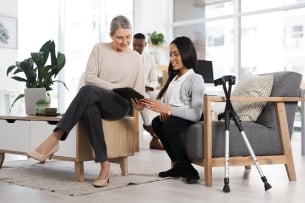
x: 169, y: 112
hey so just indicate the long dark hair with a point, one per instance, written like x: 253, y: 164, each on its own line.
x: 189, y: 58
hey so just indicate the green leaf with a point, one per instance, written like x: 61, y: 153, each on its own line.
x: 11, y: 68
x: 17, y: 98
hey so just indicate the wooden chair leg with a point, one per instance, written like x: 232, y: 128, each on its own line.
x: 2, y: 156
x: 208, y: 176
x: 79, y: 171
x: 248, y: 167
x: 285, y: 140
x: 124, y: 166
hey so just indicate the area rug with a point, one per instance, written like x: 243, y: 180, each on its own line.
x: 58, y: 176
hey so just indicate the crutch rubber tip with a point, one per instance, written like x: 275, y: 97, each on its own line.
x: 226, y: 188
x: 267, y: 186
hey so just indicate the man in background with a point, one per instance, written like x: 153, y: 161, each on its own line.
x: 151, y: 82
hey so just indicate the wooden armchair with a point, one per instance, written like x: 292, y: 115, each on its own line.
x: 119, y: 136
x: 269, y: 136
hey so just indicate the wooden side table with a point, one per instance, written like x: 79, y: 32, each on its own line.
x: 27, y: 132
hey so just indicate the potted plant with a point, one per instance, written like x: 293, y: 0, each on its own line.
x: 36, y: 73
x: 41, y: 105
x: 156, y: 38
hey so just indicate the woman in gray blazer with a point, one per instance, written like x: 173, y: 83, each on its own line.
x: 180, y: 104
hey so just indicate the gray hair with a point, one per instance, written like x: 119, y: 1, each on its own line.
x: 119, y: 22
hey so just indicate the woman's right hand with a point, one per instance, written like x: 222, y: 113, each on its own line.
x: 137, y: 104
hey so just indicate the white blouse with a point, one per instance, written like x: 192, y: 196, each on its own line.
x: 172, y: 94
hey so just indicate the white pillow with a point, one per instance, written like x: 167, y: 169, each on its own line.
x: 249, y: 86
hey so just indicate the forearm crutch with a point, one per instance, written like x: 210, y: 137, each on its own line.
x: 227, y: 115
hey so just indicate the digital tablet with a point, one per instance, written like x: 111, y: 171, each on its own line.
x: 128, y: 93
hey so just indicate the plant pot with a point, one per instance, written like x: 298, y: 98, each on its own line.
x: 31, y: 96
x: 41, y: 109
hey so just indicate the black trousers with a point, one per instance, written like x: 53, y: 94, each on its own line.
x: 169, y: 134
x: 90, y: 105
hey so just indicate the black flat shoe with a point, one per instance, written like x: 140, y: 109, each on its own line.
x: 192, y: 180
x: 173, y: 172
x: 190, y: 174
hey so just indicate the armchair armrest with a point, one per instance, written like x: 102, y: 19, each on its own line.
x: 254, y: 99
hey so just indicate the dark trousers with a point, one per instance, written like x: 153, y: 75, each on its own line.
x: 169, y: 134
x: 90, y: 105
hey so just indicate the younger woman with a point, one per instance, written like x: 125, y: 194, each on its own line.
x: 182, y: 105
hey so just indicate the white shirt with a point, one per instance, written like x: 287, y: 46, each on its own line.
x: 150, y: 70
x: 172, y: 94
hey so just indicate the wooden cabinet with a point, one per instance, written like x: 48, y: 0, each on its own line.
x: 15, y: 135
x: 39, y: 130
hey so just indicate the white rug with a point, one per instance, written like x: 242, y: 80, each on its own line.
x: 58, y: 176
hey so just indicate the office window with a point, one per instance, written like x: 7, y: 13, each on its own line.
x: 271, y: 34
x: 250, y: 5
x: 219, y: 9
x: 273, y: 41
x: 86, y: 23
x: 219, y: 47
x: 297, y: 31
x: 197, y: 34
x: 217, y: 40
x: 187, y: 10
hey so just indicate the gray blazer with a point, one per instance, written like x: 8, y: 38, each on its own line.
x: 191, y: 93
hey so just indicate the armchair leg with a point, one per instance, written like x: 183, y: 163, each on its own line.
x: 248, y: 167
x: 285, y: 140
x: 2, y: 156
x: 124, y: 166
x: 208, y: 176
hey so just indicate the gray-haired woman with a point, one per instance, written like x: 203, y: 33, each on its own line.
x: 110, y: 65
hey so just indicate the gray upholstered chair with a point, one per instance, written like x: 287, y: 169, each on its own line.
x: 269, y: 136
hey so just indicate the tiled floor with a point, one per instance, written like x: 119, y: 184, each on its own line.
x: 246, y: 186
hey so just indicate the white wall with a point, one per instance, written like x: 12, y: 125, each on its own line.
x: 8, y: 56
x: 152, y: 15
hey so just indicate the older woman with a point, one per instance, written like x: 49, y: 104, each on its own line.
x: 110, y: 65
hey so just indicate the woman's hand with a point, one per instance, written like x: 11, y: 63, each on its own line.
x: 137, y: 104
x: 157, y: 106
x: 164, y: 116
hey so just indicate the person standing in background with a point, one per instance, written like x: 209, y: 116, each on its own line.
x: 151, y: 82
